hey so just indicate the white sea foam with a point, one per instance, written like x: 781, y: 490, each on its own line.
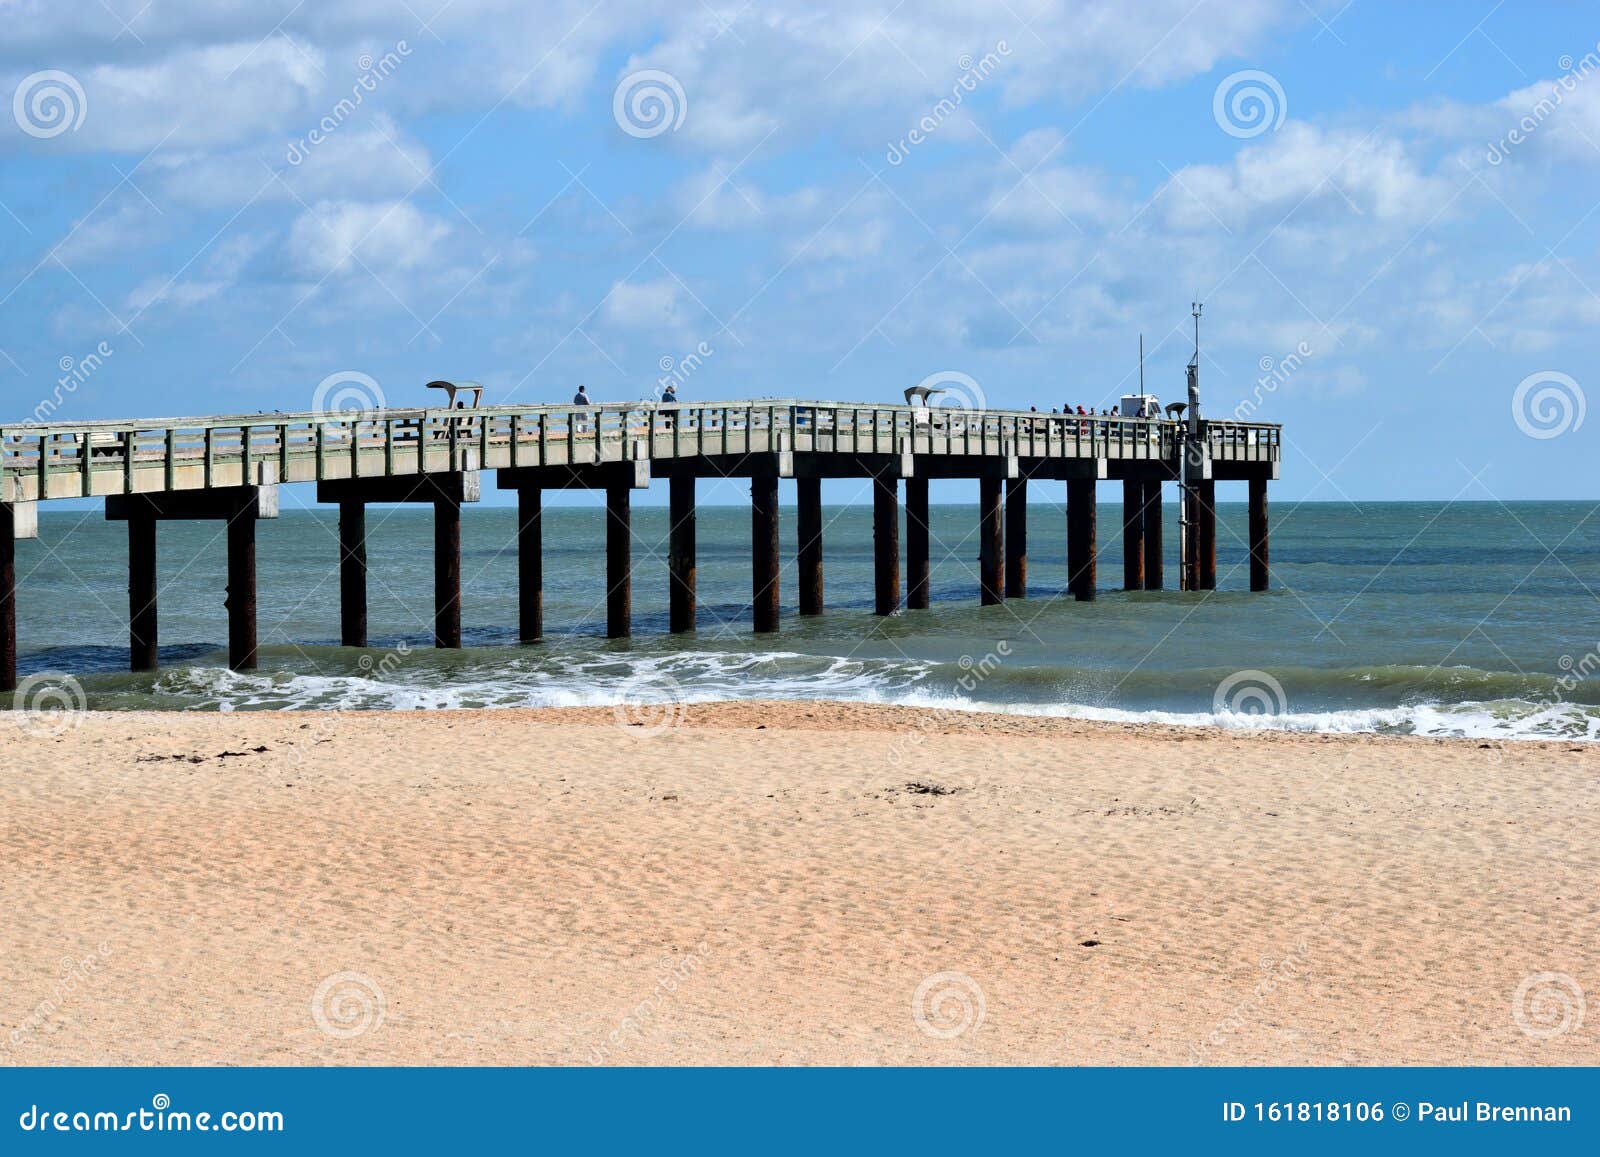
x: 696, y: 677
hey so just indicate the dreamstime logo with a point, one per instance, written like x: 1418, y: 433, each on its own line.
x: 49, y: 103
x: 676, y: 371
x: 1249, y: 693
x: 1249, y: 1012
x: 1275, y: 372
x: 651, y: 705
x: 648, y: 103
x: 947, y: 1005
x: 973, y: 673
x: 951, y: 390
x: 350, y: 394
x: 76, y: 973
x: 673, y: 972
x: 49, y: 705
x: 74, y: 372
x: 348, y: 1004
x: 1548, y: 404
x: 372, y: 73
x: 1249, y: 103
x: 973, y: 73
x: 1573, y: 73
x: 1548, y: 1004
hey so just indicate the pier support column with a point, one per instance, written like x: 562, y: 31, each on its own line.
x: 1258, y: 534
x: 447, y: 571
x: 808, y: 494
x: 917, y: 544
x: 8, y: 598
x: 241, y: 600
x: 619, y: 564
x: 764, y: 552
x: 530, y: 564
x: 885, y: 544
x: 142, y: 618
x: 1133, y: 534
x: 1016, y: 564
x: 681, y: 566
x: 1154, y: 566
x: 352, y: 573
x: 1081, y: 538
x: 1208, y: 534
x: 991, y: 561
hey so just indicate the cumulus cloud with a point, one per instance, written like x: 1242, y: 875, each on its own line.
x: 345, y: 237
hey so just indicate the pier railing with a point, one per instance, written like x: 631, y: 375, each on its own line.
x: 87, y: 459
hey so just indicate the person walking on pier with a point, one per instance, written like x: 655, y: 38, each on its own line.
x: 581, y: 398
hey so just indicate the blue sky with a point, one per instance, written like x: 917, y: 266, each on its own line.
x: 1418, y: 288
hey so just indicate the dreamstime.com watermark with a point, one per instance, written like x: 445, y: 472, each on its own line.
x: 648, y: 103
x: 676, y: 371
x: 326, y: 726
x: 1573, y: 74
x: 47, y: 704
x: 650, y: 705
x: 49, y: 103
x: 348, y: 1004
x: 947, y: 1005
x: 160, y: 1117
x: 973, y: 674
x: 1275, y: 372
x: 950, y: 390
x: 1548, y: 404
x: 350, y: 394
x: 1294, y: 965
x: 973, y: 74
x: 1547, y: 1005
x: 74, y: 372
x: 1248, y: 103
x: 373, y: 73
x: 1250, y: 693
x: 673, y: 973
x: 76, y: 974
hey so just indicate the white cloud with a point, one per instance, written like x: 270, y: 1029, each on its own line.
x: 342, y: 237
x: 644, y: 304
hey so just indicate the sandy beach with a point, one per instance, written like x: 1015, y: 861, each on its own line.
x: 796, y: 883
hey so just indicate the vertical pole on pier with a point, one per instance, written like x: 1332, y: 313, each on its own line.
x: 447, y: 570
x: 764, y: 551
x: 1081, y: 538
x: 681, y: 567
x: 1016, y: 565
x: 619, y: 564
x: 917, y: 544
x: 142, y: 619
x: 1258, y: 534
x: 1208, y: 534
x: 530, y: 564
x: 1189, y: 538
x: 242, y: 589
x: 991, y: 561
x: 1154, y: 563
x: 885, y: 544
x: 8, y: 598
x: 1133, y: 491
x: 352, y: 573
x: 808, y: 494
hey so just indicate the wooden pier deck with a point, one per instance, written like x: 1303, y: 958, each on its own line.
x: 229, y: 468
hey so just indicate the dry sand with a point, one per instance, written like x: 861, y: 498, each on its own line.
x: 774, y: 883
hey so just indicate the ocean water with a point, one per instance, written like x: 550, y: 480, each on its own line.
x: 1474, y: 619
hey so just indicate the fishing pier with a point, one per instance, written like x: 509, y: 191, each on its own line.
x: 229, y: 469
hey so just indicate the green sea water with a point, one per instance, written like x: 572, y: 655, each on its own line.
x: 1479, y: 619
